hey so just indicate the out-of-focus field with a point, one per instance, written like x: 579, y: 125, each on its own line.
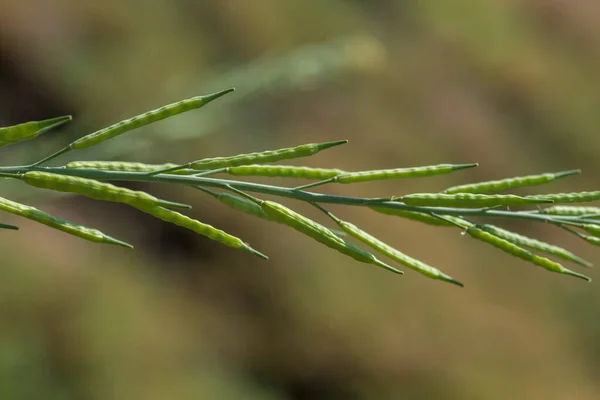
x: 513, y: 85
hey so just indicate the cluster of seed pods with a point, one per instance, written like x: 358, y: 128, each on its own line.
x: 444, y: 208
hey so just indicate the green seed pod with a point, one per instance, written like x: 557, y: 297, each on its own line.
x: 200, y: 228
x: 95, y: 189
x: 310, y: 228
x: 125, y: 166
x: 391, y: 252
x: 284, y: 171
x: 521, y: 253
x: 525, y: 241
x: 412, y: 215
x: 149, y: 117
x: 36, y: 215
x: 262, y: 157
x: 469, y: 200
x: 572, y: 211
x: 510, y: 183
x: 399, y: 173
x: 580, y: 197
x: 29, y: 130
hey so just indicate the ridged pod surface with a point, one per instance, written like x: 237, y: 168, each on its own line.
x: 94, y: 189
x: 284, y: 171
x: 525, y: 241
x: 393, y: 253
x: 268, y: 156
x: 125, y: 166
x: 149, y: 117
x: 572, y: 211
x: 200, y: 228
x: 400, y: 173
x: 578, y: 197
x: 63, y: 225
x: 510, y: 183
x: 286, y: 216
x: 469, y: 200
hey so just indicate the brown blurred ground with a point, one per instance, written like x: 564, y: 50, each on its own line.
x: 510, y: 84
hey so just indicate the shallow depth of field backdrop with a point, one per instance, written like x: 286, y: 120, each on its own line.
x: 510, y: 84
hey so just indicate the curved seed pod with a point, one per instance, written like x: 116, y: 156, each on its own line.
x: 521, y: 253
x: 579, y: 197
x: 571, y: 210
x: 36, y: 215
x: 29, y: 130
x: 525, y: 241
x: 510, y: 183
x: 310, y: 228
x: 398, y: 173
x: 200, y: 228
x: 125, y: 166
x: 469, y: 200
x: 149, y: 117
x: 284, y: 171
x: 268, y: 156
x: 94, y: 189
x: 412, y: 215
x: 391, y: 252
x: 247, y: 206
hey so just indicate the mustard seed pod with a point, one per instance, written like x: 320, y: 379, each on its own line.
x: 146, y: 118
x: 29, y: 130
x: 60, y: 224
x: 200, y: 228
x: 390, y: 251
x: 510, y: 183
x: 524, y: 241
x: 94, y: 189
x: 469, y: 200
x: 571, y: 211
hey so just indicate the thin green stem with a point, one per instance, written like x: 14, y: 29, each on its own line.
x: 300, y: 195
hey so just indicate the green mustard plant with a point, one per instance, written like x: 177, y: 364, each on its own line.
x: 456, y: 207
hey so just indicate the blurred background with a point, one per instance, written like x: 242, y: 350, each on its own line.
x: 510, y: 84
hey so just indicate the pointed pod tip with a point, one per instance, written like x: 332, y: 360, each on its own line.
x: 216, y: 95
x: 465, y: 166
x: 577, y: 275
x: 257, y: 253
x: 111, y: 240
x: 570, y: 172
x: 449, y: 279
x: 52, y: 123
x: 326, y: 145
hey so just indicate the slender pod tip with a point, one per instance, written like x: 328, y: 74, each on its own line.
x: 326, y: 145
x: 173, y: 204
x: 567, y: 173
x: 216, y: 95
x: 576, y: 275
x: 449, y: 279
x: 54, y: 123
x: 465, y: 166
x: 111, y: 240
x: 256, y: 252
